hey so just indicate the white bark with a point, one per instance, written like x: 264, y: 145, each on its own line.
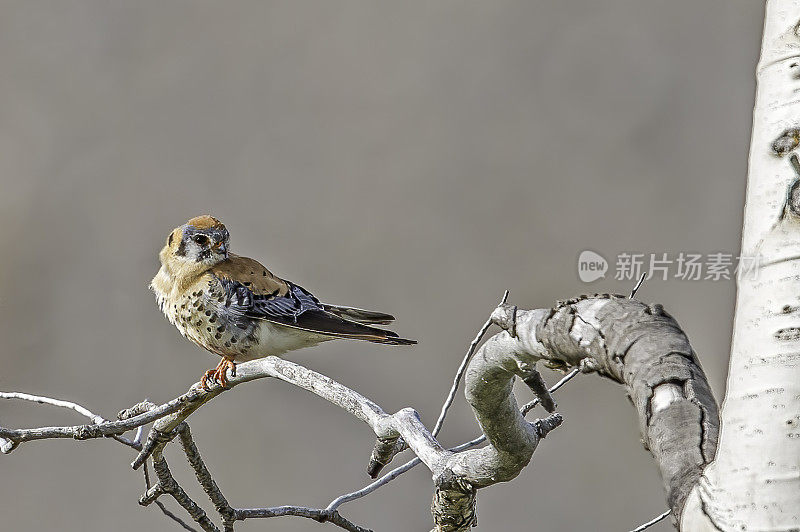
x: 754, y: 481
x: 641, y: 347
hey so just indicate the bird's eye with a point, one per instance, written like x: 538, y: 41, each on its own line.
x: 201, y: 240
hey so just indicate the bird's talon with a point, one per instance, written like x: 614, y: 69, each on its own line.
x: 208, y: 375
x: 218, y: 374
x: 220, y: 377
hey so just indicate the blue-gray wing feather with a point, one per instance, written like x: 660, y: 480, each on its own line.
x: 297, y: 308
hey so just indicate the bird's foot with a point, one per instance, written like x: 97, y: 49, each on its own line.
x: 218, y: 374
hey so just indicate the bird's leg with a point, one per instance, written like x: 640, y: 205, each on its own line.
x: 218, y: 374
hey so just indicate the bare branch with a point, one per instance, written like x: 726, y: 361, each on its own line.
x: 637, y: 286
x: 7, y: 444
x: 316, y: 514
x: 167, y: 484
x: 642, y: 347
x: 385, y: 450
x: 461, y: 369
x: 204, y: 477
x: 101, y: 430
x: 161, y: 506
x: 645, y: 526
x: 396, y: 472
x: 94, y: 418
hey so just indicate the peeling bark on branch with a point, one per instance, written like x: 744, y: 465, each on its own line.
x: 642, y: 347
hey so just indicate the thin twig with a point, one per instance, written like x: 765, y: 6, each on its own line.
x: 316, y: 514
x: 638, y: 285
x: 106, y: 428
x: 42, y: 400
x: 174, y: 517
x: 163, y: 508
x: 561, y: 382
x: 369, y: 488
x: 652, y: 522
x: 461, y: 369
x: 137, y: 440
x: 82, y: 410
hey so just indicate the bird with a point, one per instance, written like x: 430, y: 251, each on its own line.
x: 236, y: 308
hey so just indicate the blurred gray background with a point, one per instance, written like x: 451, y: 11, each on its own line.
x: 411, y: 157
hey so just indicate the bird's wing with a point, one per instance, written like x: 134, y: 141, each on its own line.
x: 251, y: 291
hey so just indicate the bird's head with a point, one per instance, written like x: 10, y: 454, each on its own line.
x: 197, y: 245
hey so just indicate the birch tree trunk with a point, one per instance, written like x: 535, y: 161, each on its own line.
x: 754, y: 481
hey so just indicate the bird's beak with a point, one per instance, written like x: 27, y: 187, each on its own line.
x: 220, y: 247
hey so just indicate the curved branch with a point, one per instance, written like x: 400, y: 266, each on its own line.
x: 642, y: 347
x: 414, y: 462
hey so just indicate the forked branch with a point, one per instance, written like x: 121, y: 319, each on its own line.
x: 625, y: 340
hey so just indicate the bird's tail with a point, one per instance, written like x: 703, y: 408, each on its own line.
x: 328, y: 323
x: 359, y: 315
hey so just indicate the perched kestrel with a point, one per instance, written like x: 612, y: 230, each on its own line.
x: 235, y: 307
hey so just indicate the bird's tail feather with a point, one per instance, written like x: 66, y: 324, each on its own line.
x: 367, y: 317
x: 333, y: 325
